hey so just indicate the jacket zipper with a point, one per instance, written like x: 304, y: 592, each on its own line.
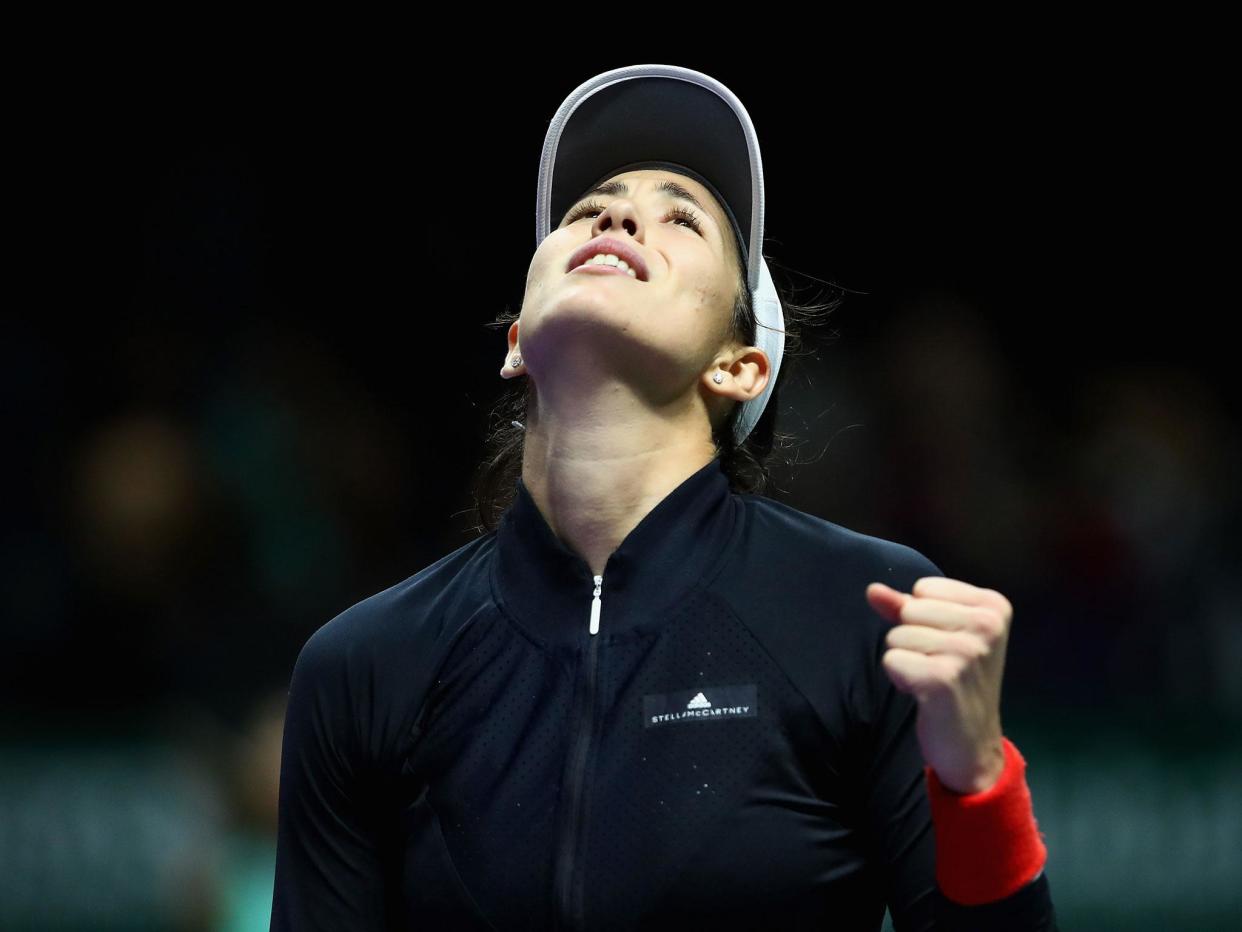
x: 567, y: 901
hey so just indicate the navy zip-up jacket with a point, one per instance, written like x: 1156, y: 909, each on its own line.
x: 702, y: 737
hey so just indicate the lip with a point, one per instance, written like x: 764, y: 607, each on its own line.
x: 619, y: 248
x: 598, y: 270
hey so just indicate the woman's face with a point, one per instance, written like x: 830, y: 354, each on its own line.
x: 663, y: 332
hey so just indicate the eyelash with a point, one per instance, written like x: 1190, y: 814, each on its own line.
x: 680, y: 213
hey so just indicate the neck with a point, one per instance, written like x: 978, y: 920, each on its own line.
x: 596, y: 465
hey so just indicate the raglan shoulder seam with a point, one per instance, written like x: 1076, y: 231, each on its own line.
x: 344, y: 655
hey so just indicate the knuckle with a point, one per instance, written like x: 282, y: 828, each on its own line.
x: 1003, y: 606
x: 990, y: 624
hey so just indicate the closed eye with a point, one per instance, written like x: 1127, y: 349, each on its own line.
x: 594, y: 207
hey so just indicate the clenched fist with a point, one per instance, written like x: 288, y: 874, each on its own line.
x: 947, y: 649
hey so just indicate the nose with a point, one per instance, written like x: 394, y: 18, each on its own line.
x: 619, y: 215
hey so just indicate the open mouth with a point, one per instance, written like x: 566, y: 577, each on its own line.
x: 585, y: 258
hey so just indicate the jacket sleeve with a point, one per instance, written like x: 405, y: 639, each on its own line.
x: 897, y: 818
x: 329, y: 861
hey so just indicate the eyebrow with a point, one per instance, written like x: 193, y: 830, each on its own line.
x: 671, y: 188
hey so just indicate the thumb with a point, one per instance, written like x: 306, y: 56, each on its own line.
x: 886, y: 601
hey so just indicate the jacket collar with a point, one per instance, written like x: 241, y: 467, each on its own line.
x: 548, y: 588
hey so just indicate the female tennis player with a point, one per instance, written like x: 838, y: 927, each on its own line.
x: 649, y: 694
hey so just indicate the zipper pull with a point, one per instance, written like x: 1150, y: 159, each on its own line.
x: 595, y: 605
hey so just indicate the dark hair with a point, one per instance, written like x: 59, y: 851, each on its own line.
x: 747, y: 465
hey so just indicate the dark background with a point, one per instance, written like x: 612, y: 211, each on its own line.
x: 249, y: 383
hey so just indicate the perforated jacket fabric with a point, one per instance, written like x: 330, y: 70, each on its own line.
x: 726, y: 753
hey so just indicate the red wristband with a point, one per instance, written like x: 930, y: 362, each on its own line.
x: 988, y: 844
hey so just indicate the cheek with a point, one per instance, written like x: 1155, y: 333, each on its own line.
x: 543, y: 265
x: 713, y: 299
x: 536, y: 275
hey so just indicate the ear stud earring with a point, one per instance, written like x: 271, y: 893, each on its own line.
x: 718, y: 378
x: 515, y: 361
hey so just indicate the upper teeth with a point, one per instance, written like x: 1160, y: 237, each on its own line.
x: 607, y: 258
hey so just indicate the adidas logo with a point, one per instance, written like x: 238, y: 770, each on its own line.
x: 693, y: 705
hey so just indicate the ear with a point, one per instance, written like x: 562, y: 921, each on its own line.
x: 507, y: 369
x: 746, y: 374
